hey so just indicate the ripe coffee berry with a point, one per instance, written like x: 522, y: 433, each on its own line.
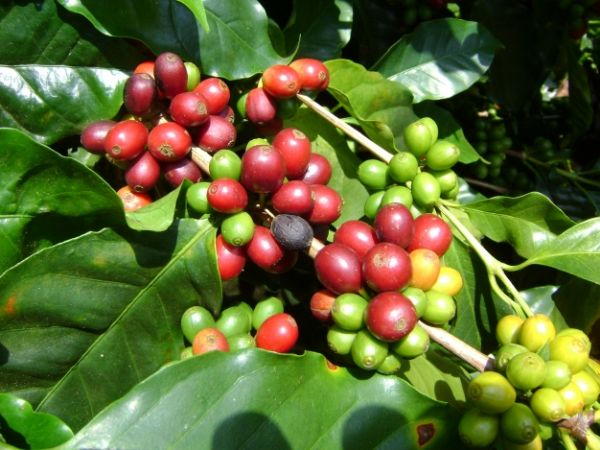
x: 133, y: 200
x: 215, y: 134
x: 227, y: 196
x: 294, y: 197
x: 169, y: 141
x: 327, y: 206
x: 338, y: 268
x: 188, y: 109
x: 281, y: 81
x: 263, y: 169
x: 230, y: 259
x: 313, y: 74
x: 170, y: 74
x: 431, y: 232
x: 356, y: 234
x: 278, y: 333
x: 394, y: 223
x: 318, y: 170
x: 139, y: 93
x: 184, y: 169
x: 216, y: 93
x: 390, y: 316
x: 321, y: 303
x: 295, y: 147
x: 264, y: 250
x: 209, y: 339
x: 260, y: 107
x: 93, y: 136
x: 386, y: 267
x: 126, y: 140
x: 143, y: 173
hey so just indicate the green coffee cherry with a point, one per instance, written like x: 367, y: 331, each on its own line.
x: 397, y: 194
x: 442, y: 155
x: 373, y: 174
x: 193, y: 75
x: 418, y: 298
x: 225, y: 164
x: 234, y: 320
x: 403, y: 167
x: 194, y: 319
x: 432, y: 126
x: 548, y: 405
x: 505, y: 353
x: 526, y: 371
x: 447, y: 179
x: 348, y: 311
x: 478, y: 429
x: 367, y: 351
x: 519, y: 424
x: 413, y: 344
x: 440, y: 309
x: 571, y: 349
x: 265, y: 309
x: 557, y: 376
x: 491, y: 393
x: 418, y: 137
x: 373, y: 203
x: 590, y: 389
x: 196, y: 197
x: 340, y: 340
x: 390, y: 365
x: 508, y: 329
x: 425, y: 190
x: 240, y: 341
x: 237, y: 229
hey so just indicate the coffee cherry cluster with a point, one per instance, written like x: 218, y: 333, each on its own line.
x: 490, y: 139
x: 539, y: 378
x: 240, y: 326
x: 413, y: 12
x: 169, y: 110
x: 426, y: 168
x: 379, y: 281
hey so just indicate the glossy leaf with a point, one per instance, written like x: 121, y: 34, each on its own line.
x: 575, y: 251
x: 251, y: 399
x: 382, y: 107
x: 46, y: 198
x: 158, y: 215
x: 323, y: 28
x: 440, y: 58
x: 53, y: 102
x: 40, y: 430
x: 527, y: 222
x: 331, y: 144
x: 163, y: 26
x: 449, y: 130
x: 45, y: 33
x: 199, y: 12
x: 238, y: 44
x: 571, y: 299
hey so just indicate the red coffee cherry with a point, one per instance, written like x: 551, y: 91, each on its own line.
x: 358, y: 235
x: 281, y: 81
x: 293, y: 197
x: 338, y: 268
x: 432, y: 232
x: 227, y: 113
x: 263, y: 169
x: 143, y: 173
x: 295, y: 147
x: 321, y: 303
x: 209, y: 339
x: 313, y: 74
x: 278, y: 333
x: 145, y: 67
x: 318, y: 170
x: 394, y: 223
x: 390, y: 316
x: 260, y: 106
x: 126, y: 140
x: 285, y: 264
x: 215, y: 134
x: 139, y: 94
x: 216, y: 92
x: 227, y: 196
x: 264, y: 250
x: 327, y: 206
x: 230, y: 259
x: 386, y: 267
x: 133, y: 200
x: 170, y: 74
x: 93, y: 136
x: 169, y: 141
x: 188, y: 109
x: 184, y: 169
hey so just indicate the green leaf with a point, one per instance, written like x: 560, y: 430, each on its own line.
x: 382, y: 107
x: 158, y: 215
x: 91, y: 317
x: 197, y: 8
x: 448, y: 129
x: 40, y: 430
x: 440, y: 58
x: 540, y: 300
x: 238, y: 44
x: 333, y: 145
x: 44, y: 33
x: 323, y: 28
x: 527, y: 222
x: 46, y: 198
x: 258, y: 399
x: 167, y: 25
x: 53, y: 102
x: 576, y: 299
x: 575, y: 251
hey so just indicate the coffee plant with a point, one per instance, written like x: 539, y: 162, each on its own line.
x: 299, y: 224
